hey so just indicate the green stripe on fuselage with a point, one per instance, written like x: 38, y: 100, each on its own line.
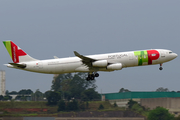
x: 142, y: 57
x: 7, y: 44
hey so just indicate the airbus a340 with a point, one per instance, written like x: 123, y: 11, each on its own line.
x: 91, y: 63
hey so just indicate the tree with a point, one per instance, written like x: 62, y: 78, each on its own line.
x: 90, y: 94
x: 72, y: 106
x: 13, y: 93
x: 75, y: 105
x: 101, y: 107
x: 7, y: 92
x: 57, y: 82
x: 138, y: 108
x: 7, y: 97
x: 1, y: 97
x: 23, y: 98
x: 29, y: 91
x: 25, y: 92
x: 131, y: 103
x: 123, y: 90
x: 38, y: 95
x: 115, y: 105
x: 53, y: 97
x: 79, y: 84
x: 82, y: 105
x: 160, y: 113
x: 47, y: 93
x: 161, y: 89
x: 61, y: 105
x: 71, y: 86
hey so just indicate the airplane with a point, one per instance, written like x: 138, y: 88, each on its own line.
x: 90, y: 64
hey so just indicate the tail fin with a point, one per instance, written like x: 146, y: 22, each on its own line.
x: 16, y: 53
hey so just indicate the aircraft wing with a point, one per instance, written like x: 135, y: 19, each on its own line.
x: 86, y: 60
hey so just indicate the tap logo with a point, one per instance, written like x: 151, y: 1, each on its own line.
x: 146, y: 57
x: 14, y: 51
x: 14, y: 54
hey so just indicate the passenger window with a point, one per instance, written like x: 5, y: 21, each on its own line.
x: 153, y: 54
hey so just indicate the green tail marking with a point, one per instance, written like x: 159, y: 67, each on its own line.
x: 7, y: 44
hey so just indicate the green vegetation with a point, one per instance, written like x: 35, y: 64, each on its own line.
x: 135, y: 106
x: 123, y: 90
x: 71, y: 93
x: 160, y: 113
x: 37, y: 108
x: 101, y: 107
x: 69, y: 87
x: 131, y: 103
x: 61, y: 105
x: 75, y: 86
x: 115, y: 105
x: 53, y: 97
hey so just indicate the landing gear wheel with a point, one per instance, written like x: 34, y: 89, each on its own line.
x: 160, y: 68
x: 97, y: 75
x: 92, y: 77
x: 87, y: 78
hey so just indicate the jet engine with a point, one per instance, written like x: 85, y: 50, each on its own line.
x: 116, y: 66
x: 100, y: 63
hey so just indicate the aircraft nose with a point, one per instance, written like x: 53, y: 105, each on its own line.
x: 175, y: 55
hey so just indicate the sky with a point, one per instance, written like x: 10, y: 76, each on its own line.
x: 47, y: 28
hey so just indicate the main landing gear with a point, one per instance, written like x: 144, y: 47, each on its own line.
x: 92, y: 76
x: 160, y: 68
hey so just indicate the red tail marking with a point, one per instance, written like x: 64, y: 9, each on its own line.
x: 16, y: 53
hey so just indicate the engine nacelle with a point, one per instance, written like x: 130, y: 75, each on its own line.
x: 116, y: 66
x: 100, y: 63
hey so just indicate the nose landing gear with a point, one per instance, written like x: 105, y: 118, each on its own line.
x: 160, y: 68
x: 92, y: 76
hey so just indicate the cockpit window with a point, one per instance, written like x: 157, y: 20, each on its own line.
x: 170, y: 52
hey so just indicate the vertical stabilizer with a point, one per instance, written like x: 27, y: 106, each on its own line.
x: 16, y: 53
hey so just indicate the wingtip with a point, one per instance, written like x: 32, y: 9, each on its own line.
x: 76, y: 53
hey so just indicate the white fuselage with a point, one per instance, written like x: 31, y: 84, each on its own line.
x: 75, y: 64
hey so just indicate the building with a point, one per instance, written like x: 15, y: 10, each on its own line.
x: 168, y: 100
x: 2, y: 83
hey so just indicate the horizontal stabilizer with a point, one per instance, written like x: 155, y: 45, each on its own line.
x: 18, y: 65
x: 55, y: 57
